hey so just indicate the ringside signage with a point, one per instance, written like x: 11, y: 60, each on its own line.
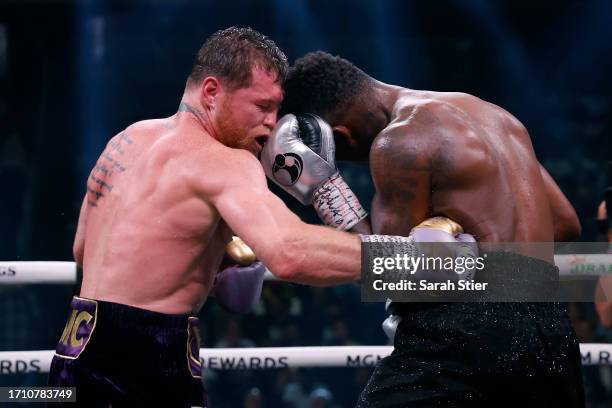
x: 25, y: 362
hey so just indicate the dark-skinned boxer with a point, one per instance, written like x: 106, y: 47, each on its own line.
x: 453, y: 155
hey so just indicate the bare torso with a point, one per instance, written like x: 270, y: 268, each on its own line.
x: 150, y: 240
x: 479, y: 169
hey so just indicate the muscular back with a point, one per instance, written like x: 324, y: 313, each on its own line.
x: 455, y: 155
x: 148, y: 239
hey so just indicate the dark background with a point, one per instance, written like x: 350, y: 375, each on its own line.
x: 73, y: 74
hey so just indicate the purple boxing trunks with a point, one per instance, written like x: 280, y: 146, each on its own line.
x: 118, y: 355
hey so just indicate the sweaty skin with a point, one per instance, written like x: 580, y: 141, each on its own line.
x: 455, y: 155
x: 166, y: 196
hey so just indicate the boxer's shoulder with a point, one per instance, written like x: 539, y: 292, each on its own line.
x: 427, y: 116
x: 148, y: 127
x: 215, y: 168
x: 464, y: 105
x: 229, y: 161
x: 407, y: 141
x: 139, y: 134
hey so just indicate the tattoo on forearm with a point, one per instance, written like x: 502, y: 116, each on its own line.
x: 107, y: 165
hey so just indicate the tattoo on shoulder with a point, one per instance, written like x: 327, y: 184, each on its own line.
x: 422, y: 142
x: 125, y: 138
x: 95, y: 193
x: 107, y: 165
x: 413, y: 156
x: 100, y: 182
x: 116, y: 147
x: 115, y: 164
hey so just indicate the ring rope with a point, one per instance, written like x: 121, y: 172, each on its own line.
x: 21, y: 272
x: 19, y: 362
x: 37, y: 272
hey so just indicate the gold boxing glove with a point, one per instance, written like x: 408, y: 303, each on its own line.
x: 442, y: 223
x: 240, y: 252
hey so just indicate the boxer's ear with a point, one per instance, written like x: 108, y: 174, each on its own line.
x: 345, y: 135
x: 209, y: 90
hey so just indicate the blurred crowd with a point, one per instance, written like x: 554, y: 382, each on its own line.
x: 287, y: 316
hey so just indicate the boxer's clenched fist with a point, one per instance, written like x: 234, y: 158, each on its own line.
x: 238, y: 287
x: 240, y: 252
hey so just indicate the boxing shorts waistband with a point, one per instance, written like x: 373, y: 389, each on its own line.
x: 121, y: 315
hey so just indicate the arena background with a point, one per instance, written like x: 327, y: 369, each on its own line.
x: 73, y: 74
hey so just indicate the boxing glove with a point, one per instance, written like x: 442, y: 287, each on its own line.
x: 299, y: 157
x: 238, y: 288
x: 435, y: 239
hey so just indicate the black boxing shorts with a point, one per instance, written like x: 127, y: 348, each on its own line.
x: 118, y: 355
x: 480, y: 355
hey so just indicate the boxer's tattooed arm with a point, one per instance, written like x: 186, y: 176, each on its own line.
x: 401, y: 164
